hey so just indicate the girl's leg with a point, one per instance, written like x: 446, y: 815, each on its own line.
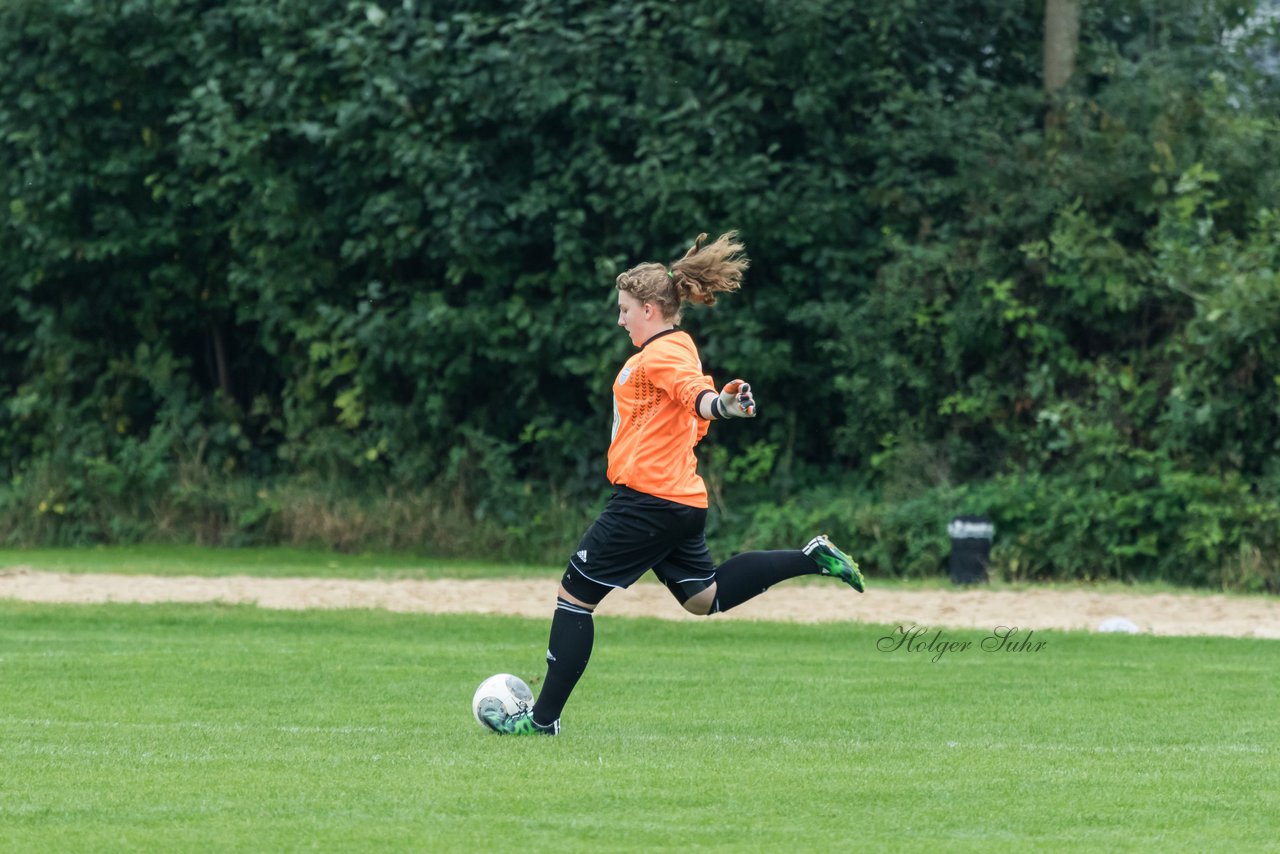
x: 573, y: 633
x: 749, y: 574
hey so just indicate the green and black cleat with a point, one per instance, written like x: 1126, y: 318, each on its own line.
x: 521, y: 723
x: 834, y: 562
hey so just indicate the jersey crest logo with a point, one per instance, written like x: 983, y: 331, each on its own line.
x: 622, y: 377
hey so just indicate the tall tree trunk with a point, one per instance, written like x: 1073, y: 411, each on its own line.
x: 1061, y: 44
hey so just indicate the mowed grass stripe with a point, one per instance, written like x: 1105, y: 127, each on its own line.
x: 218, y: 728
x: 201, y: 561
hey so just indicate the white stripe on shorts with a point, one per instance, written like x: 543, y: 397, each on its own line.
x: 711, y: 577
x: 573, y: 563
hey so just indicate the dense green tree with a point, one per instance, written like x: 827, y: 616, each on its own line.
x: 354, y: 247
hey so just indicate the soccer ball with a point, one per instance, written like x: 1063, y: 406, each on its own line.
x: 502, y: 691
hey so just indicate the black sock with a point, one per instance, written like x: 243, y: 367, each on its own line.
x: 749, y: 574
x: 573, y: 632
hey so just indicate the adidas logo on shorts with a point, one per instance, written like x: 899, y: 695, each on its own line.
x: 582, y: 555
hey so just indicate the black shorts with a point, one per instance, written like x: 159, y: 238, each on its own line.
x: 638, y: 532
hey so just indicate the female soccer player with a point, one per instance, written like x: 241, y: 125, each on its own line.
x: 662, y: 405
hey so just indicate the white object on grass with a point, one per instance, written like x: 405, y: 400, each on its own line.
x: 1119, y: 624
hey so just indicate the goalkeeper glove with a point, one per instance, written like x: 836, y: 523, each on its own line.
x: 735, y: 401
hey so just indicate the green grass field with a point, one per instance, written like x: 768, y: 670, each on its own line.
x: 259, y: 562
x: 167, y: 728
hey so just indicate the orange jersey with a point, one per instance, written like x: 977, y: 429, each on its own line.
x: 655, y: 420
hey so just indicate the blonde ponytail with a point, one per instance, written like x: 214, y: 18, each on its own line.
x: 703, y: 272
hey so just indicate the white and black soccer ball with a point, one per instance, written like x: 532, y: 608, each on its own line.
x: 504, y: 692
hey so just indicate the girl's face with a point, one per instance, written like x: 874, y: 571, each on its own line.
x: 642, y: 320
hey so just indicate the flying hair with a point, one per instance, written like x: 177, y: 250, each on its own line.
x: 698, y: 277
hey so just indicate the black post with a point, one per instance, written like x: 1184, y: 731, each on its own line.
x: 971, y: 538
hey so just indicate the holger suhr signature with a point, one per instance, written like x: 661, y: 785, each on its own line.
x: 917, y: 639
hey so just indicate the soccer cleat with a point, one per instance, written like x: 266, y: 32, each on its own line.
x: 834, y: 562
x: 519, y: 724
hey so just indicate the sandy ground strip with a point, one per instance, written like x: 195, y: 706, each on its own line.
x: 1160, y: 614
